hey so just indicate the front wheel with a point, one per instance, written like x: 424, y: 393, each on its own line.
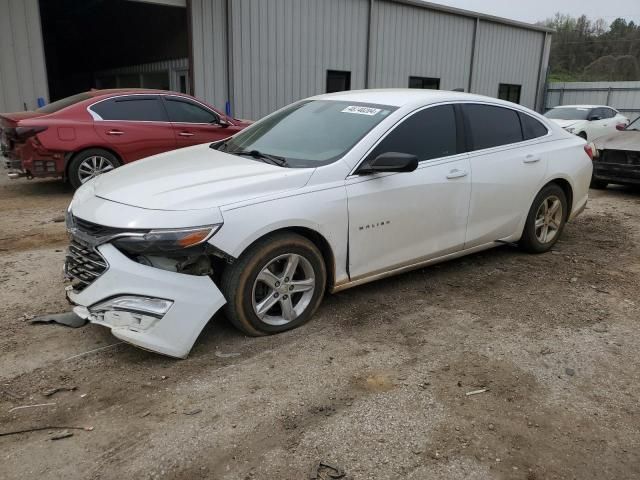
x: 545, y: 221
x: 90, y: 163
x: 276, y: 285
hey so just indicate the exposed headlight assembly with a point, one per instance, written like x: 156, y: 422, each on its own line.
x: 166, y: 240
x: 570, y: 129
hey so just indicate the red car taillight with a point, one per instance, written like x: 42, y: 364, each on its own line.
x: 22, y: 133
x: 589, y: 150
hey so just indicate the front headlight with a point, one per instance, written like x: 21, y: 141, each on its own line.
x: 570, y: 130
x: 166, y: 240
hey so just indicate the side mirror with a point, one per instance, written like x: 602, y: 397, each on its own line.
x: 389, y: 162
x: 593, y: 118
x: 223, y: 123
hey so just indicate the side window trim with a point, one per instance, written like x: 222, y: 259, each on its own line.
x: 179, y: 98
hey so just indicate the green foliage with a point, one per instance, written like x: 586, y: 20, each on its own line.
x: 588, y: 50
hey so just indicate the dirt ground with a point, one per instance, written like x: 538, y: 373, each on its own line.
x: 376, y: 384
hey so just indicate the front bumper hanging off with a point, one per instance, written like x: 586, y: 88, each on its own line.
x: 193, y: 300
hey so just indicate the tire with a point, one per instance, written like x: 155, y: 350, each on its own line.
x: 89, y: 163
x: 534, y: 239
x: 598, y: 184
x: 583, y: 135
x: 247, y: 294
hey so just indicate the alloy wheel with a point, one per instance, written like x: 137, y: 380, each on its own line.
x: 548, y: 219
x: 93, y: 166
x: 283, y: 289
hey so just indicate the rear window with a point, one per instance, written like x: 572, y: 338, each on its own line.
x: 532, y: 128
x: 492, y: 126
x: 58, y: 105
x: 134, y: 108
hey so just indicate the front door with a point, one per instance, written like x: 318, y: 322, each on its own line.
x: 194, y: 124
x: 397, y: 219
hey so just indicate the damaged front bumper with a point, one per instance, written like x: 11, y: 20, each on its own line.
x: 155, y: 309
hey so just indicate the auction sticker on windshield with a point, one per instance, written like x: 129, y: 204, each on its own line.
x: 361, y: 110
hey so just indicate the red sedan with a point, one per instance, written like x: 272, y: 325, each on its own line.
x: 90, y: 133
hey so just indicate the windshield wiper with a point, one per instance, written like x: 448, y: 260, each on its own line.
x: 272, y: 159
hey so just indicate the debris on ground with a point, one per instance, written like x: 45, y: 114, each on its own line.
x: 600, y: 327
x: 48, y: 427
x: 476, y: 392
x: 193, y: 412
x: 570, y: 371
x: 10, y: 395
x: 53, y: 391
x: 68, y: 319
x: 93, y: 351
x: 32, y: 406
x: 324, y: 470
x: 61, y: 435
x: 58, y: 219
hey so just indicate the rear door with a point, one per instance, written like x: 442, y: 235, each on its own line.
x: 136, y: 126
x: 193, y: 123
x: 508, y: 164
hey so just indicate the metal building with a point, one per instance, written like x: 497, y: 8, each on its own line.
x: 254, y: 56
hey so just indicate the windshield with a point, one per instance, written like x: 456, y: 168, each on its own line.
x: 64, y: 103
x: 311, y: 133
x: 568, y: 113
x: 635, y: 125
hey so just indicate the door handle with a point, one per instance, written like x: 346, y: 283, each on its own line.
x: 531, y: 159
x: 455, y: 173
x: 115, y: 132
x: 186, y: 134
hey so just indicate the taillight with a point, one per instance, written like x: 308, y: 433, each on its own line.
x: 22, y: 133
x: 588, y: 148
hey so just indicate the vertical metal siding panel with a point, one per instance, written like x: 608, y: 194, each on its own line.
x: 23, y: 75
x: 414, y: 41
x: 507, y: 54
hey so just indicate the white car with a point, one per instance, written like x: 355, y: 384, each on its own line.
x: 588, y: 121
x: 323, y: 195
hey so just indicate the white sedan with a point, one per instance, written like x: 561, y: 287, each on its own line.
x: 328, y: 193
x: 588, y: 121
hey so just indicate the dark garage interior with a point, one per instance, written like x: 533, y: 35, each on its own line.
x: 83, y: 38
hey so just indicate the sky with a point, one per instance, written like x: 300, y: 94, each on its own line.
x: 531, y: 11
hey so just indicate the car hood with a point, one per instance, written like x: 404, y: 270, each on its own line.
x: 566, y: 123
x: 196, y: 178
x: 626, y: 140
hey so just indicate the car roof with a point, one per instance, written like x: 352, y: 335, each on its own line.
x: 120, y: 91
x: 401, y: 97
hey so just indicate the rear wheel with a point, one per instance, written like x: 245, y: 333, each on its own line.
x: 88, y: 164
x: 276, y: 285
x: 545, y: 221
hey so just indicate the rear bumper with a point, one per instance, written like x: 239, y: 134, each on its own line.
x: 195, y: 300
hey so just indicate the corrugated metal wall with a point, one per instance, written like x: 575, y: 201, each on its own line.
x: 281, y: 50
x: 23, y: 76
x: 162, y: 66
x: 506, y: 54
x: 624, y: 96
x: 209, y: 50
x: 413, y: 41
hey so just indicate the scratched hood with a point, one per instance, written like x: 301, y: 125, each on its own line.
x: 196, y: 178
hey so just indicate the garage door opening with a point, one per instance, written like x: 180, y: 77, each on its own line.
x: 114, y: 44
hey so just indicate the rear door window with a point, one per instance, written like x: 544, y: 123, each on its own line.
x: 184, y: 111
x: 427, y: 134
x: 531, y: 128
x: 492, y: 126
x: 137, y: 108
